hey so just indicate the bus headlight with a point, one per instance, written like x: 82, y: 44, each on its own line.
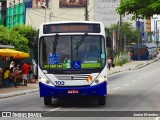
x: 44, y: 80
x: 101, y: 79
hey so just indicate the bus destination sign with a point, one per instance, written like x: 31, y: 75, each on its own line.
x: 71, y: 28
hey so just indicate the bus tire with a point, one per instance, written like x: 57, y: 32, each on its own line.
x: 102, y: 100
x: 47, y: 100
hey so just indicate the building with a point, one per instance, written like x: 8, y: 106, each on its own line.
x: 56, y: 10
x: 12, y: 12
x: 36, y: 12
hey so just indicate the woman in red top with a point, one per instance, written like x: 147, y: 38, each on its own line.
x: 131, y: 56
x: 24, y: 72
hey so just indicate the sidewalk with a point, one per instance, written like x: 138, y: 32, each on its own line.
x: 132, y: 65
x: 33, y: 87
x: 12, y: 91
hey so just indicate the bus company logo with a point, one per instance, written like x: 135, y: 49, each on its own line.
x: 72, y: 77
x: 6, y: 114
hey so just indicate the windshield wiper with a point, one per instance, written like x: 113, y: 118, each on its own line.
x: 55, y: 43
x: 80, y: 42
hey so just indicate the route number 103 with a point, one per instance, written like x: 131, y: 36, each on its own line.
x: 59, y: 82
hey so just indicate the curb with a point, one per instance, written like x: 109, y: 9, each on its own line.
x: 148, y: 63
x: 36, y: 90
x: 136, y: 67
x: 18, y: 93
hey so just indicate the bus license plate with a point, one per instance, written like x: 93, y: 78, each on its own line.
x: 72, y: 92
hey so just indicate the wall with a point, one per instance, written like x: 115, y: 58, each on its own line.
x: 105, y: 11
x: 36, y: 16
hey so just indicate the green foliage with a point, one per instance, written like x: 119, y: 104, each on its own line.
x: 17, y: 40
x: 119, y: 62
x: 22, y: 37
x: 4, y: 38
x: 126, y: 29
x: 139, y: 8
x: 26, y: 31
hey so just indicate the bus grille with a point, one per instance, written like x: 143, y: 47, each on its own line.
x: 72, y: 77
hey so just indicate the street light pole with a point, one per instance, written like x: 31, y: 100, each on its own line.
x: 44, y: 6
x: 157, y: 30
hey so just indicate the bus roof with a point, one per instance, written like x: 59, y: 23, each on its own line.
x: 72, y: 27
x: 62, y: 22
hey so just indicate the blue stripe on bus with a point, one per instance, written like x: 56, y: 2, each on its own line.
x: 50, y: 91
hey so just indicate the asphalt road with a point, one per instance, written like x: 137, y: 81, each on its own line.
x: 135, y: 90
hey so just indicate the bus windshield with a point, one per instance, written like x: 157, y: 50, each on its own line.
x: 72, y: 52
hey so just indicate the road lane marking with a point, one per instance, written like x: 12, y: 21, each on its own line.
x: 134, y: 81
x: 157, y: 118
x: 126, y: 84
x: 52, y: 110
x: 144, y: 75
x: 116, y: 88
x: 55, y: 109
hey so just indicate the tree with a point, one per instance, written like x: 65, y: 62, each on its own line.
x: 126, y: 29
x: 4, y: 38
x: 17, y: 40
x: 28, y: 32
x: 22, y: 37
x: 139, y: 8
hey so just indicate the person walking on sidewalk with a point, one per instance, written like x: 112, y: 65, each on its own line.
x: 109, y: 62
x: 30, y: 73
x: 24, y: 72
x: 131, y: 56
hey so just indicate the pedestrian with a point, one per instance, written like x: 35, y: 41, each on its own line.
x: 12, y: 77
x: 12, y: 65
x: 16, y: 69
x: 24, y: 73
x: 109, y: 62
x: 30, y: 73
x: 9, y: 77
x: 131, y: 56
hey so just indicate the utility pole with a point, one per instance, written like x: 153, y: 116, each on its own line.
x: 12, y: 5
x: 86, y: 11
x: 154, y: 30
x: 125, y: 43
x: 138, y: 47
x: 138, y: 39
x: 120, y: 25
x: 157, y: 33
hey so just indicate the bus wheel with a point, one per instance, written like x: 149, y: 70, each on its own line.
x: 102, y: 100
x: 47, y: 100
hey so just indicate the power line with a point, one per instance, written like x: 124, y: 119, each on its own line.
x: 93, y: 6
x: 53, y: 12
x: 30, y: 17
x: 47, y: 17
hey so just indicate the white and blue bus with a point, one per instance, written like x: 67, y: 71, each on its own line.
x: 72, y: 60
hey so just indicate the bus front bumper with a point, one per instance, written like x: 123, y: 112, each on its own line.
x: 51, y: 91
